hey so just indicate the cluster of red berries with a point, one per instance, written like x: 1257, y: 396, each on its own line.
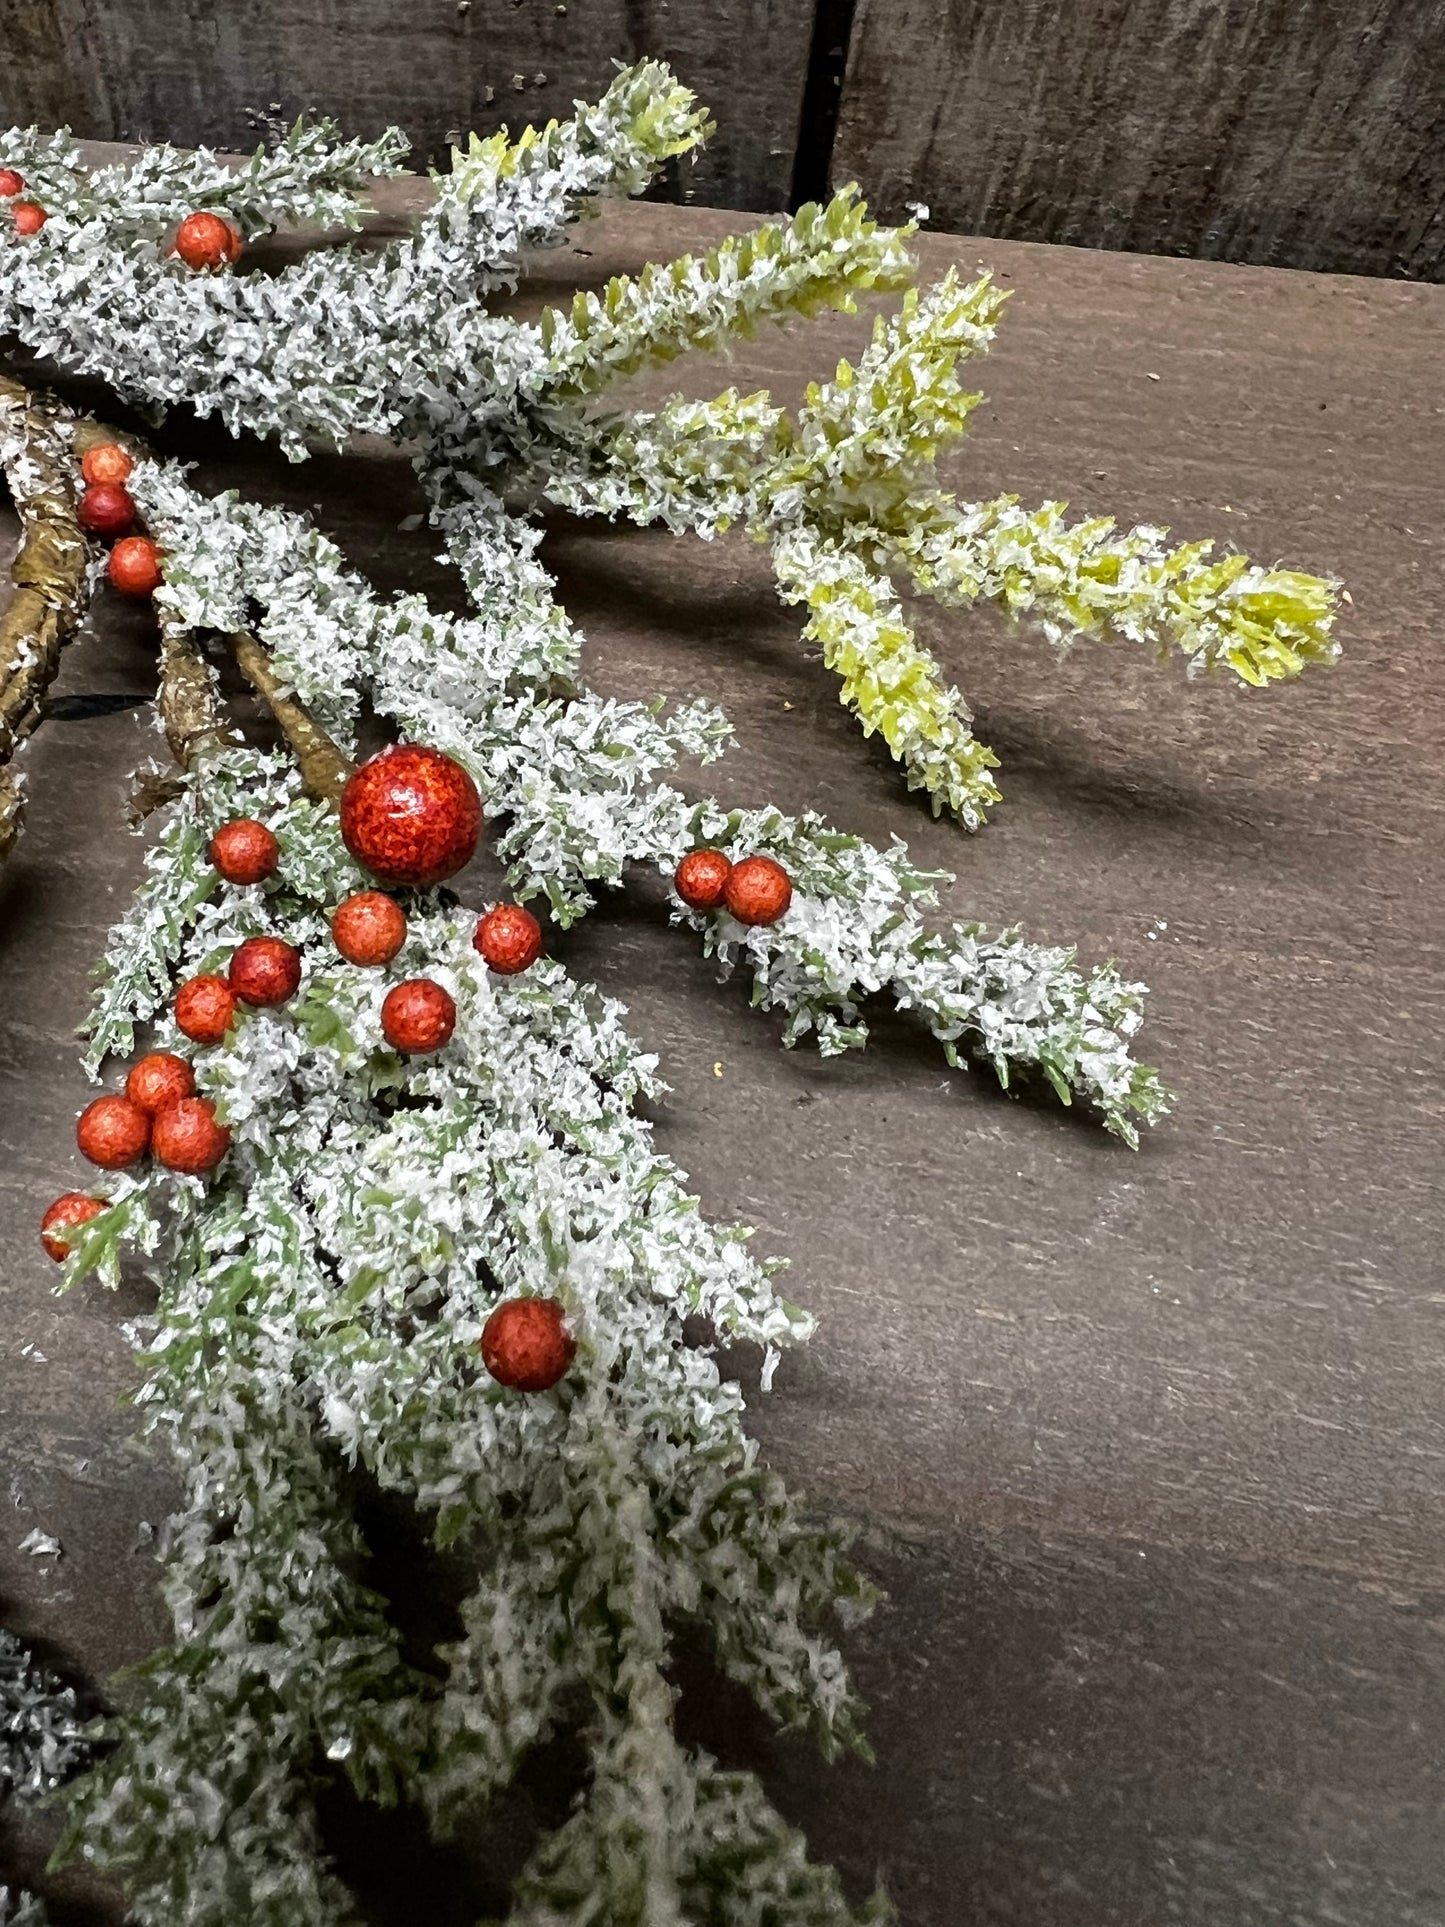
x: 756, y: 890
x: 413, y: 816
x: 204, y: 242
x: 28, y: 216
x: 159, y: 1113
x: 107, y: 509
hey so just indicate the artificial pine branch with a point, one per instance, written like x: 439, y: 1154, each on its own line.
x: 43, y: 1743
x: 324, y: 1288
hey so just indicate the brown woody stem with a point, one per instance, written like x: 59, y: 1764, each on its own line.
x: 324, y: 770
x: 49, y: 574
x: 190, y: 702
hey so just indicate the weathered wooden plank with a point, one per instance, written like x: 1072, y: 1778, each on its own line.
x: 192, y: 71
x: 1297, y: 133
x: 1145, y: 1448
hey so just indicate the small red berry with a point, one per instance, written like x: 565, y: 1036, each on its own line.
x: 107, y: 462
x: 265, y: 971
x: 205, y: 1009
x: 113, y: 1132
x: 244, y: 851
x: 187, y: 1137
x: 29, y: 216
x: 758, y: 891
x: 135, y: 566
x: 701, y: 879
x: 368, y: 928
x: 510, y: 939
x: 411, y: 815
x: 206, y: 241
x: 157, y: 1080
x: 74, y: 1208
x: 11, y: 183
x: 526, y: 1344
x: 418, y: 1016
x: 106, y: 509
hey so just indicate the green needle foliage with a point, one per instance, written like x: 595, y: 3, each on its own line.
x: 320, y: 1299
x: 405, y: 342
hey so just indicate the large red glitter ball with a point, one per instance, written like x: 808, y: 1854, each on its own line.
x: 106, y: 462
x: 526, y: 1344
x: 701, y: 879
x: 135, y: 566
x: 206, y: 241
x: 244, y: 851
x: 187, y: 1138
x: 157, y: 1080
x: 106, y: 509
x: 113, y: 1132
x: 265, y: 971
x: 418, y: 1016
x: 11, y: 183
x: 29, y: 216
x: 72, y: 1209
x: 412, y: 815
x: 368, y: 928
x: 205, y: 1009
x: 510, y: 938
x: 758, y: 891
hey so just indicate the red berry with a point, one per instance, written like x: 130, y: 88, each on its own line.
x: 74, y: 1208
x: 701, y: 879
x: 412, y: 815
x: 158, y: 1080
x: 526, y: 1344
x: 135, y: 566
x: 107, y: 462
x: 206, y: 241
x: 205, y: 1009
x: 265, y: 971
x: 758, y: 891
x: 113, y: 1132
x: 510, y: 938
x: 418, y: 1016
x: 368, y: 928
x: 11, y: 183
x: 187, y: 1137
x: 244, y: 851
x: 29, y: 216
x: 106, y: 509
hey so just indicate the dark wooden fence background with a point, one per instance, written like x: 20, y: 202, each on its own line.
x: 1302, y: 133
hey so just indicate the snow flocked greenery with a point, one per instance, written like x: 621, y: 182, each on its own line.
x: 321, y: 1298
x: 402, y: 342
x: 42, y: 1743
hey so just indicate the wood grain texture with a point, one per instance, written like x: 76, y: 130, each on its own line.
x: 193, y: 70
x: 1298, y: 133
x: 1147, y: 1449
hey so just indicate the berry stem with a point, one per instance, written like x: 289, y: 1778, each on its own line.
x: 324, y: 770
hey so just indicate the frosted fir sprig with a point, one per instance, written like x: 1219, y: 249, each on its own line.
x: 321, y: 1301
x: 313, y: 176
x: 21, y: 1909
x: 845, y: 494
x: 43, y: 1743
x: 825, y: 257
x: 887, y: 678
x: 401, y: 343
x: 1086, y: 579
x: 523, y: 193
x: 43, y: 1739
x: 573, y: 778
